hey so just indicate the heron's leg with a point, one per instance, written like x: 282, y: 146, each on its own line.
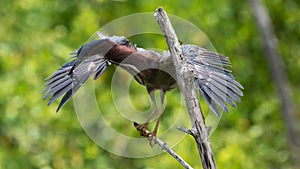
x: 154, y: 109
x: 162, y: 97
x: 144, y: 126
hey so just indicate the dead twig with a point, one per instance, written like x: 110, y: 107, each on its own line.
x: 146, y: 133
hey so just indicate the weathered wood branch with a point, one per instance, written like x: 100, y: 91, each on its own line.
x: 144, y: 132
x: 186, y: 83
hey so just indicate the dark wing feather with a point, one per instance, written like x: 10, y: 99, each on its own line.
x: 215, y: 83
x: 69, y: 78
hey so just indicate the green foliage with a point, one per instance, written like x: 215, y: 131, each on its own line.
x: 36, y: 37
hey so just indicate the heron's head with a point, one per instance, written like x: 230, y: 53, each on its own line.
x: 121, y: 40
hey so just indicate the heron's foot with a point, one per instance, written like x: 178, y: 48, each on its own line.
x: 142, y: 128
x: 152, y: 138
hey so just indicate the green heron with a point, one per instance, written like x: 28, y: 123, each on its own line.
x: 149, y: 68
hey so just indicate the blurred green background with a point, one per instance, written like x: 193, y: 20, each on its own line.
x: 36, y: 37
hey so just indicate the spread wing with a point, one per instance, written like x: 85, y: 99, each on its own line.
x: 69, y: 78
x: 215, y: 82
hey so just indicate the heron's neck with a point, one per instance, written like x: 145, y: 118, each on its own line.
x: 118, y: 53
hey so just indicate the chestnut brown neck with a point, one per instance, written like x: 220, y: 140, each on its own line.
x: 118, y: 53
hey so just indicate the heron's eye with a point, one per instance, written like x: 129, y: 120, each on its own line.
x: 125, y: 42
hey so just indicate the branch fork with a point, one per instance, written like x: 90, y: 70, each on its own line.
x: 186, y: 83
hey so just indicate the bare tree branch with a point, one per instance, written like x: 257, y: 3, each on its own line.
x: 144, y: 132
x: 186, y: 83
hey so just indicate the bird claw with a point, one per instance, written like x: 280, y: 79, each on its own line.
x: 152, y: 139
x: 143, y: 129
